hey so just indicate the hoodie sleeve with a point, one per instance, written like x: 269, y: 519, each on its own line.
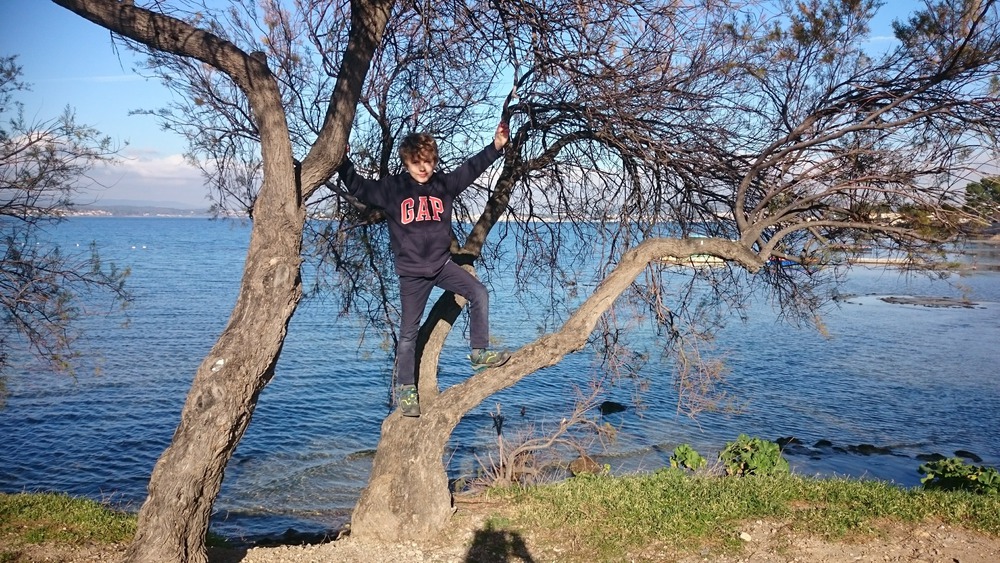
x: 463, y: 176
x: 371, y: 192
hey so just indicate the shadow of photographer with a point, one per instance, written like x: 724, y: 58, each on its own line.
x: 491, y: 545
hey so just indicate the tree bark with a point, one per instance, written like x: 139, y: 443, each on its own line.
x: 173, y: 521
x: 407, y: 496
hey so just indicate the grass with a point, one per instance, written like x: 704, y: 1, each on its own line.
x: 599, y: 517
x: 51, y: 518
x: 608, y: 516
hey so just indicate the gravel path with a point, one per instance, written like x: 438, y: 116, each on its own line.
x: 764, y: 542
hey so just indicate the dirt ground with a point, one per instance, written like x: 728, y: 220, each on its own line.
x: 470, y: 540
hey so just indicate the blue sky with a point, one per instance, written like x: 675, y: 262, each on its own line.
x: 70, y: 61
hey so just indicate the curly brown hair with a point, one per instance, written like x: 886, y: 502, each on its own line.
x: 418, y: 147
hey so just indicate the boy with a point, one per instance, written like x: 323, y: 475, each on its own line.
x: 418, y: 205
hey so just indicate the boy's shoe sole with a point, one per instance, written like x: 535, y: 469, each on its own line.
x: 409, y: 402
x: 489, y: 359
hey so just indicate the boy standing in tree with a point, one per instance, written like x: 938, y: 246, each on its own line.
x: 418, y: 204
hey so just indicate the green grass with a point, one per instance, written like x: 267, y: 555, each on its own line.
x: 50, y: 518
x: 609, y: 516
x: 60, y: 517
x: 601, y: 517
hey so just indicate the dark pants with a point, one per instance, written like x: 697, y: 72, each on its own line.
x: 413, y: 293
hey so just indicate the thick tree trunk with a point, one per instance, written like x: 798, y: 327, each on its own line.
x: 174, y: 519
x: 407, y: 496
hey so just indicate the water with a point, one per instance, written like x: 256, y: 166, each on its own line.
x: 913, y: 379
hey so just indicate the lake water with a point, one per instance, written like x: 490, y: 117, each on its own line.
x: 913, y: 380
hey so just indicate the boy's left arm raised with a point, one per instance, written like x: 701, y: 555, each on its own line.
x: 466, y: 174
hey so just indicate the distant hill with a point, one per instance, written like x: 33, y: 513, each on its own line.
x: 135, y: 208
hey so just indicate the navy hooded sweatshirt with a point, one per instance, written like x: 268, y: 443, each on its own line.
x: 419, y: 214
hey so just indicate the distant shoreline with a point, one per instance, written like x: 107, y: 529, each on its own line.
x: 134, y: 211
x: 146, y: 215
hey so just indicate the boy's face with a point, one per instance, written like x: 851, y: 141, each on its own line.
x: 420, y: 168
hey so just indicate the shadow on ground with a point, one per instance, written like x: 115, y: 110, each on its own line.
x: 490, y: 545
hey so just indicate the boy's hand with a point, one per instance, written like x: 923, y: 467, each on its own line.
x: 501, y: 136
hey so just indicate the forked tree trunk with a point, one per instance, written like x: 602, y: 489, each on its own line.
x: 407, y: 496
x: 173, y: 521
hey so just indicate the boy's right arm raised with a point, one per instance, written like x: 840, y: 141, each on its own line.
x: 358, y: 186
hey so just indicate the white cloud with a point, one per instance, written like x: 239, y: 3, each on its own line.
x: 146, y: 175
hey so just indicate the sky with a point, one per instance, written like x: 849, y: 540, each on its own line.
x: 68, y: 60
x: 71, y: 61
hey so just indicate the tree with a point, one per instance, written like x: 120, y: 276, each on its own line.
x: 173, y: 521
x: 773, y: 137
x: 765, y: 129
x: 984, y: 196
x: 42, y: 165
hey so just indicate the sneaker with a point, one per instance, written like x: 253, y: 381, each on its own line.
x: 409, y: 403
x: 488, y: 358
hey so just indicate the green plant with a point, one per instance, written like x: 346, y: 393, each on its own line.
x: 685, y: 456
x: 752, y: 456
x: 953, y: 474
